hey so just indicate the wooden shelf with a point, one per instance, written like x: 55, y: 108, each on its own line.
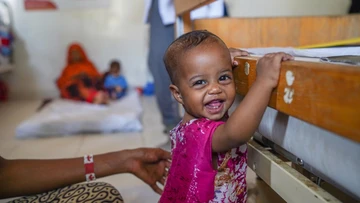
x: 325, y: 95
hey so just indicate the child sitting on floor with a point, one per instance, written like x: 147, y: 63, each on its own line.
x: 209, y: 151
x: 114, y: 82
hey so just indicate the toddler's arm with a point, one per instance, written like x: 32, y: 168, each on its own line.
x: 121, y: 84
x: 108, y: 82
x: 243, y: 122
x: 124, y: 83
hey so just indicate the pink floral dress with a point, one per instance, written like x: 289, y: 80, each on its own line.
x: 191, y: 176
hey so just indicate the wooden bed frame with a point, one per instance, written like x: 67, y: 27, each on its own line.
x: 325, y: 95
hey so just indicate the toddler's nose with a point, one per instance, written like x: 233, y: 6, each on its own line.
x: 214, y: 89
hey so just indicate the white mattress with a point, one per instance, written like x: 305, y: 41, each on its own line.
x: 64, y: 117
x: 336, y: 157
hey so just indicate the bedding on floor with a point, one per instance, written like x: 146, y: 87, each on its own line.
x: 62, y: 117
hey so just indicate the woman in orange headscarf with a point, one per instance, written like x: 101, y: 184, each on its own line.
x: 80, y: 80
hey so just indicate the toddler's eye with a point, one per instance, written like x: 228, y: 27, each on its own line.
x: 199, y: 82
x: 224, y: 77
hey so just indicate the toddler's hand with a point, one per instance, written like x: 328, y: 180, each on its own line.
x: 118, y: 89
x: 237, y: 52
x: 268, y: 68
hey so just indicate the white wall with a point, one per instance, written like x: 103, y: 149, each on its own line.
x: 269, y: 8
x: 42, y: 38
x: 116, y: 32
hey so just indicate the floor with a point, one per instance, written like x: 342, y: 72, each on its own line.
x: 133, y: 190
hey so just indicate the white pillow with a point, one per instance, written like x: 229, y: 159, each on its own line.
x: 64, y: 117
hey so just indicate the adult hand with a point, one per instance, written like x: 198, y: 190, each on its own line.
x: 237, y: 52
x: 20, y: 177
x: 150, y: 165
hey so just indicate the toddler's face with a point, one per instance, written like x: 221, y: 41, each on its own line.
x: 206, y: 82
x: 115, y: 70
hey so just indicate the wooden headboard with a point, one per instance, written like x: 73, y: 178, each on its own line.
x: 282, y: 31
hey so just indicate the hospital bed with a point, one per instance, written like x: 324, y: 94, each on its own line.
x: 313, y: 118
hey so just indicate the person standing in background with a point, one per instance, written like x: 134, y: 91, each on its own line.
x: 355, y: 6
x: 160, y: 14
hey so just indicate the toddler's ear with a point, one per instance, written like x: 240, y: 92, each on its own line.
x: 176, y: 93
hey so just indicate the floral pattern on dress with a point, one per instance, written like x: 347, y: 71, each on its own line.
x: 191, y: 176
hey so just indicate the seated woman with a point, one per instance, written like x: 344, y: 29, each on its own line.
x: 80, y: 81
x: 27, y: 176
x: 115, y: 83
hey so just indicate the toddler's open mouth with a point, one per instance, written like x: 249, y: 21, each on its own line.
x: 215, y: 106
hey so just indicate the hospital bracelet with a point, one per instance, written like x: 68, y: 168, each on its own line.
x: 89, y: 167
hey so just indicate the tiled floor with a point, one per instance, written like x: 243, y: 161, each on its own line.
x: 133, y: 189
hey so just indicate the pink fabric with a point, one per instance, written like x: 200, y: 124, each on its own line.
x: 191, y: 176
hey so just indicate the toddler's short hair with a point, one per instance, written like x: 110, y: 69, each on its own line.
x: 114, y: 63
x: 181, y: 45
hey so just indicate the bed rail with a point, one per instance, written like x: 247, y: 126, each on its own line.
x: 326, y: 95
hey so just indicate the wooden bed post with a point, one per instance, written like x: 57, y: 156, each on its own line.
x: 182, y: 24
x: 182, y: 10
